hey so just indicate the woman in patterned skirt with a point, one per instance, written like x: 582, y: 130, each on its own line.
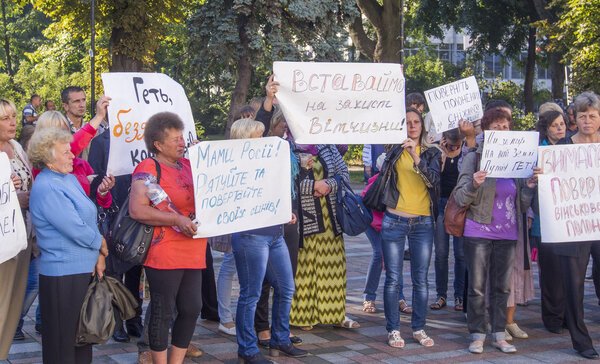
x: 320, y: 296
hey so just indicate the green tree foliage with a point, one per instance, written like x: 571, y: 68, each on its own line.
x: 577, y: 34
x: 234, y: 43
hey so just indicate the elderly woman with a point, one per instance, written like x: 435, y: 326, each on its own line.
x: 260, y: 254
x: 14, y: 271
x: 552, y: 127
x: 490, y: 237
x: 411, y: 199
x: 175, y: 260
x: 574, y: 257
x: 71, y: 247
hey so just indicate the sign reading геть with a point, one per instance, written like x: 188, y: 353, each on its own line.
x: 241, y: 184
x: 342, y: 103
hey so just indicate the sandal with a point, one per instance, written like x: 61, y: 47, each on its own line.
x: 404, y: 307
x: 438, y: 304
x: 348, y: 323
x: 395, y: 340
x: 458, y: 304
x: 476, y: 347
x: 369, y: 307
x: 306, y: 328
x: 422, y: 338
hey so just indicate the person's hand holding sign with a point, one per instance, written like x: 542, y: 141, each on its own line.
x: 467, y: 129
x: 271, y: 89
x: 101, y: 106
x: 533, y: 180
x: 479, y: 178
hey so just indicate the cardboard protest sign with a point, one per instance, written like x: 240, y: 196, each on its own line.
x: 509, y: 154
x: 569, y: 191
x: 13, y: 236
x: 241, y: 184
x: 450, y: 103
x: 343, y: 103
x: 135, y: 98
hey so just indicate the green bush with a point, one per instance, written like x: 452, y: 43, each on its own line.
x: 354, y: 155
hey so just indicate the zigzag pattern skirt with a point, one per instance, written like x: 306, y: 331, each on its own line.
x: 320, y: 296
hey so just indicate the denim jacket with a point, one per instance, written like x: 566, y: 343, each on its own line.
x: 428, y: 169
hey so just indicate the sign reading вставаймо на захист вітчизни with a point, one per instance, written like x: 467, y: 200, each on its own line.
x: 241, y: 184
x: 135, y: 98
x: 569, y: 192
x: 13, y: 236
x: 452, y: 102
x: 342, y: 103
x: 509, y: 154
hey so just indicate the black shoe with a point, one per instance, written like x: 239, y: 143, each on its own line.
x: 134, y: 329
x: 589, y: 354
x: 38, y: 328
x: 19, y: 335
x: 296, y: 340
x: 253, y: 359
x: 264, y: 343
x: 555, y: 330
x: 120, y: 335
x: 289, y: 350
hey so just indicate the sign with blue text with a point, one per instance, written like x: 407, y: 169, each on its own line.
x: 13, y: 236
x: 455, y: 101
x: 569, y: 190
x: 241, y: 184
x: 342, y: 103
x: 509, y: 154
x: 135, y: 98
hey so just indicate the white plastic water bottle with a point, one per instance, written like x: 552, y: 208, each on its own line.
x: 160, y: 200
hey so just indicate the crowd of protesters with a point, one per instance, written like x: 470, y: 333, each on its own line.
x: 60, y: 161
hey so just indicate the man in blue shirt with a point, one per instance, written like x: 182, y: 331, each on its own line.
x: 30, y: 115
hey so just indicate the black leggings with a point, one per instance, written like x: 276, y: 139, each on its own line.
x: 170, y: 290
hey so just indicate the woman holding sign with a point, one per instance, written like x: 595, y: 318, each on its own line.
x: 492, y: 227
x: 175, y: 260
x: 411, y: 197
x: 574, y: 256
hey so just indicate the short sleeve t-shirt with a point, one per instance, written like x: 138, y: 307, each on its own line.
x: 170, y: 249
x: 29, y: 110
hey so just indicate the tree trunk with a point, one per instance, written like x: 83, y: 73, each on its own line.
x: 6, y: 41
x: 557, y: 72
x: 529, y: 71
x: 121, y: 62
x: 244, y: 74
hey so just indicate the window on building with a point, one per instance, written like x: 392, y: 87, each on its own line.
x: 444, y: 52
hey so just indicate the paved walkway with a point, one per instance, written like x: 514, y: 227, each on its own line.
x: 368, y: 343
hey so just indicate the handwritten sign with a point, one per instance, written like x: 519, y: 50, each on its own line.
x: 13, y: 236
x: 135, y: 98
x: 569, y: 191
x: 457, y: 100
x: 241, y: 184
x: 509, y: 154
x: 343, y: 103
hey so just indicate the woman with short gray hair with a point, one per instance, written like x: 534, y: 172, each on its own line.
x: 72, y: 249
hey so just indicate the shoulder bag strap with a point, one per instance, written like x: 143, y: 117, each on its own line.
x: 157, y: 170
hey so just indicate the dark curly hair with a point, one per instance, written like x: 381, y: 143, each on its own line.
x: 546, y: 119
x: 156, y: 126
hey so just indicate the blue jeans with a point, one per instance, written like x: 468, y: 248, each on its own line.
x: 376, y: 266
x: 224, y: 283
x: 257, y: 257
x: 442, y: 246
x: 394, y: 230
x: 31, y: 292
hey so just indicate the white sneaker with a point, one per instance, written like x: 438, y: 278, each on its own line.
x: 227, y: 330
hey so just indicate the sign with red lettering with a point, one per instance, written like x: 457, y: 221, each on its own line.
x: 342, y: 103
x: 569, y: 192
x: 135, y: 98
x: 450, y: 103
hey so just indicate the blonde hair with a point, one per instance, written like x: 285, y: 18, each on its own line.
x: 245, y: 128
x: 41, y: 145
x: 51, y: 119
x: 547, y: 106
x: 6, y: 106
x: 277, y: 118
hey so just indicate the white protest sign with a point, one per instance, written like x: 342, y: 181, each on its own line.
x: 241, y: 184
x: 342, y: 103
x: 569, y: 192
x: 135, y: 98
x: 13, y: 236
x: 509, y: 154
x: 450, y: 103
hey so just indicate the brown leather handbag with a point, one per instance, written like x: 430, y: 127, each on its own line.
x: 456, y: 215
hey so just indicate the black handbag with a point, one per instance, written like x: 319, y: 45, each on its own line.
x: 130, y: 239
x: 373, y: 198
x: 352, y: 215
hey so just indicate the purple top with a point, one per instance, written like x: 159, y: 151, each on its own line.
x: 504, y: 215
